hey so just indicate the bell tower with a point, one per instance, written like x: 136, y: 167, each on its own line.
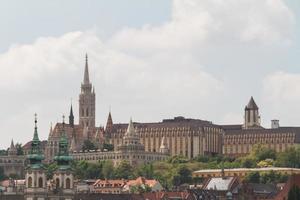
x: 63, y: 176
x: 35, y: 177
x: 252, y: 118
x: 87, y: 100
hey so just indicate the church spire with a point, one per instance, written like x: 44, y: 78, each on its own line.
x: 109, y: 123
x: 71, y: 117
x: 35, y: 156
x: 86, y: 79
x: 12, y: 150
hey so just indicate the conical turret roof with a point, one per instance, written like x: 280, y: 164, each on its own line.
x: 130, y: 129
x: 252, y: 105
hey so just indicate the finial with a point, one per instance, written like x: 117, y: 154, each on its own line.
x: 86, y: 57
x: 63, y: 117
x: 35, y: 119
x: 109, y: 108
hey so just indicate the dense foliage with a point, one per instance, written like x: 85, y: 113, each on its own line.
x: 177, y: 170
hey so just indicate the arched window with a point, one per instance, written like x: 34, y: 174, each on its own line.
x: 87, y: 112
x: 40, y: 182
x: 30, y: 182
x: 68, y: 183
x: 82, y: 112
x: 57, y: 182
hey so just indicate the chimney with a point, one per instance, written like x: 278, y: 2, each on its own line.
x: 274, y: 123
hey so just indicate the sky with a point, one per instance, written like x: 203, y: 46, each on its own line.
x: 149, y: 60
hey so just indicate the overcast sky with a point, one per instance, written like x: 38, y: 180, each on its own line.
x: 149, y: 59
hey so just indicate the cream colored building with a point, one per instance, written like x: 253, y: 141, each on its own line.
x: 242, y: 172
x: 131, y: 150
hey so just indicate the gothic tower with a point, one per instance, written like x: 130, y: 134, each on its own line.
x: 87, y: 98
x: 252, y: 118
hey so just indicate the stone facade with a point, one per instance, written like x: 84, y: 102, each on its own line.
x: 12, y: 163
x: 131, y: 149
x: 187, y: 137
x: 239, y: 140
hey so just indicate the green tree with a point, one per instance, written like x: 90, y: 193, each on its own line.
x: 94, y: 171
x: 124, y: 170
x: 88, y: 145
x: 248, y: 162
x: 19, y: 149
x: 3, y: 152
x: 108, y: 147
x: 294, y: 193
x: 139, y: 189
x: 289, y: 158
x: 2, y: 175
x: 183, y: 175
x: 79, y: 169
x: 108, y: 169
x: 253, y: 177
x: 263, y: 153
x: 50, y: 170
x: 146, y: 171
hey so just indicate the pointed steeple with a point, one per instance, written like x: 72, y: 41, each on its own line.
x: 131, y: 140
x: 86, y: 78
x: 71, y: 117
x: 12, y: 149
x: 35, y: 156
x: 164, y: 146
x: 12, y: 144
x: 251, y: 116
x: 252, y: 105
x: 130, y: 129
x: 109, y: 123
x: 35, y: 134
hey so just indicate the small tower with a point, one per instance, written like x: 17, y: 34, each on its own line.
x: 35, y: 177
x: 109, y: 123
x: 71, y: 117
x: 87, y: 98
x: 12, y: 151
x: 164, y: 146
x: 252, y: 118
x: 131, y: 140
x: 63, y: 176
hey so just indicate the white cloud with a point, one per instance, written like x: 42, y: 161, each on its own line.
x: 148, y: 73
x: 281, y: 93
x: 195, y: 22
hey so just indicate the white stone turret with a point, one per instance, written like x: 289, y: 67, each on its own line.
x: 131, y: 140
x: 164, y: 146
